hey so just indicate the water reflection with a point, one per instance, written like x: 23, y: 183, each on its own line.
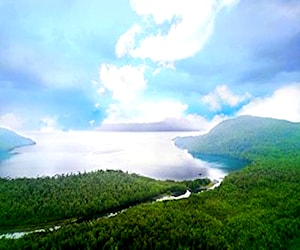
x: 151, y: 154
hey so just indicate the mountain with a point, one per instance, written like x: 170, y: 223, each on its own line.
x: 10, y: 140
x: 256, y: 207
x: 247, y: 137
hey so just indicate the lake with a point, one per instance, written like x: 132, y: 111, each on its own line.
x: 151, y: 154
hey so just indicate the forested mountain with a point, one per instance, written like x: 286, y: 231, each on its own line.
x: 247, y: 137
x: 257, y: 207
x: 10, y: 140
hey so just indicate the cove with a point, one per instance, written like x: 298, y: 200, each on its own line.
x: 151, y: 154
x: 4, y: 155
x: 225, y: 163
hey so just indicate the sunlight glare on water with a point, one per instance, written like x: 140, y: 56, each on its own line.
x: 151, y: 154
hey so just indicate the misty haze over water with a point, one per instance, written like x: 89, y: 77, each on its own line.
x: 151, y: 154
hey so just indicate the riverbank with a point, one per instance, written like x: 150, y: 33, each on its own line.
x: 48, y: 202
x: 109, y: 214
x: 254, y: 207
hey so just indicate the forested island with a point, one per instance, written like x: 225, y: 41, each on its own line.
x: 10, y: 140
x: 257, y: 207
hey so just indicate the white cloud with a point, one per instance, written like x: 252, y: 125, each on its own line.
x: 101, y: 90
x: 190, y: 122
x: 144, y: 111
x: 283, y: 104
x: 125, y: 82
x: 127, y: 85
x: 197, y: 122
x: 11, y: 121
x: 131, y: 108
x: 222, y: 95
x: 126, y: 42
x: 170, y: 30
x: 158, y: 114
x: 97, y: 105
x: 190, y: 24
x: 160, y: 110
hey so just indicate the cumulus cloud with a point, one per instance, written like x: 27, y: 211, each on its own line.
x: 11, y: 121
x: 284, y: 103
x: 124, y: 83
x: 131, y: 110
x: 175, y: 29
x: 169, y: 31
x: 127, y: 85
x: 141, y: 111
x: 222, y: 95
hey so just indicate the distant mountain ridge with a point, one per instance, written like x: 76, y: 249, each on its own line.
x: 10, y: 140
x: 246, y: 137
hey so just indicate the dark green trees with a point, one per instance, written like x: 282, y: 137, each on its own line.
x: 27, y: 202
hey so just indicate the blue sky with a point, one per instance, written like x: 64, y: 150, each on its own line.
x: 187, y: 64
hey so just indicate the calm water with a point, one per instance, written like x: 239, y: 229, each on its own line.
x: 151, y: 154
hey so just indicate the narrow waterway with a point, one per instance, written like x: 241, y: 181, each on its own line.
x: 17, y: 235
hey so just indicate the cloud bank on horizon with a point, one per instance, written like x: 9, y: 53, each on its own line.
x: 141, y: 64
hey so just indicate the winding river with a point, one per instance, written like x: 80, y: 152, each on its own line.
x: 151, y: 154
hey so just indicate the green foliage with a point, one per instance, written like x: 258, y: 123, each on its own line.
x: 255, y: 208
x: 197, y: 185
x: 247, y: 138
x: 28, y: 201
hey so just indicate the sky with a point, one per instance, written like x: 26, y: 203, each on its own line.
x: 147, y: 64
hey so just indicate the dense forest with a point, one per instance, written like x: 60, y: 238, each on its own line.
x: 28, y: 202
x: 247, y: 138
x: 257, y: 207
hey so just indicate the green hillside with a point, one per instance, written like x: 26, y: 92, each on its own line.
x: 247, y: 137
x: 36, y: 202
x: 10, y: 140
x: 257, y: 207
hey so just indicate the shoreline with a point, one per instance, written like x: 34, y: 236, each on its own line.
x: 107, y: 214
x: 177, y: 165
